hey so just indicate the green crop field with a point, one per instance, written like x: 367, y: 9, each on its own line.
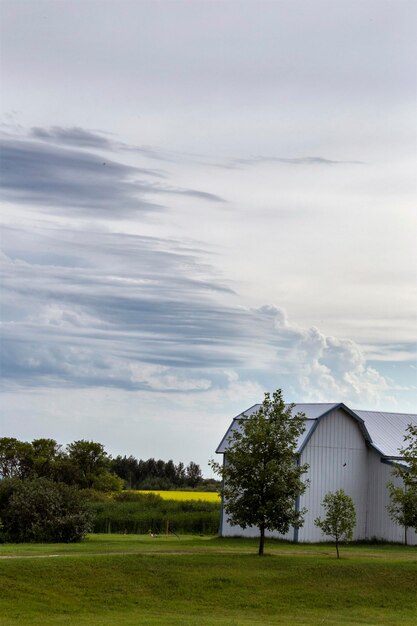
x: 133, y: 579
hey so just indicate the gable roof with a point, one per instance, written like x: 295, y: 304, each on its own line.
x: 387, y: 430
x: 383, y: 431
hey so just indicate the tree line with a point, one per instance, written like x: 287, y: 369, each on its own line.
x: 157, y: 474
x: 86, y: 465
x: 52, y: 493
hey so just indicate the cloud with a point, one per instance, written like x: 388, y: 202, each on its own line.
x: 74, y: 136
x: 141, y: 313
x: 116, y: 302
x: 56, y: 178
x: 307, y: 160
x: 324, y: 368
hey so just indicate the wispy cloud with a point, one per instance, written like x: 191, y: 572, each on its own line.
x: 56, y: 178
x: 78, y: 137
x: 133, y: 313
x: 74, y: 136
x: 306, y: 160
x: 61, y: 177
x: 151, y: 301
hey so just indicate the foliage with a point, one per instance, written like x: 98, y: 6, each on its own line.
x: 409, y: 454
x: 42, y: 510
x: 403, y: 506
x: 44, y: 454
x: 87, y: 465
x: 156, y: 474
x: 92, y: 495
x: 15, y: 458
x: 36, y: 503
x: 340, y: 517
x: 84, y: 464
x: 193, y: 475
x: 150, y: 499
x: 90, y: 459
x: 261, y: 478
x: 133, y: 512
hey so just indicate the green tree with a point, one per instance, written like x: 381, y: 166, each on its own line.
x: 403, y: 505
x: 261, y: 476
x: 107, y: 482
x: 340, y: 517
x: 15, y: 458
x: 43, y: 511
x: 193, y: 473
x: 90, y: 460
x: 45, y: 453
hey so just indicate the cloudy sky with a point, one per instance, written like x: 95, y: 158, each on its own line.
x: 202, y: 201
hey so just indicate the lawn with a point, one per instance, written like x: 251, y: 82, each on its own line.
x: 129, y: 580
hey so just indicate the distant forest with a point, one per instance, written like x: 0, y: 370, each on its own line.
x: 86, y: 465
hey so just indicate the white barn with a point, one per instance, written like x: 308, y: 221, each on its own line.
x: 345, y: 449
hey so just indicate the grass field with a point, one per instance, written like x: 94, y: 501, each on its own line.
x: 128, y: 580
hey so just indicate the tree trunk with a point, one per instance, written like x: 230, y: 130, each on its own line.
x: 337, y: 548
x: 261, y: 539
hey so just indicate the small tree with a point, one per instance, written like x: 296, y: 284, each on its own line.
x: 261, y: 476
x: 403, y: 506
x: 340, y: 517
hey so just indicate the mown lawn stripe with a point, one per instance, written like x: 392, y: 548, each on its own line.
x: 211, y: 582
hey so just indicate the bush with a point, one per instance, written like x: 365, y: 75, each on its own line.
x: 41, y: 510
x: 92, y: 495
x: 131, y: 512
x: 146, y: 500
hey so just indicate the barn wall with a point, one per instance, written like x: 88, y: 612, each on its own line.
x: 251, y: 531
x: 337, y: 456
x: 380, y: 524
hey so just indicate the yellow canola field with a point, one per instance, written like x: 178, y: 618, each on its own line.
x: 206, y: 496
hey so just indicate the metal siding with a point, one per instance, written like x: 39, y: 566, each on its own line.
x: 380, y: 524
x: 337, y: 456
x: 252, y: 531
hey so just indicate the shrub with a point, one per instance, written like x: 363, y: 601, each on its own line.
x: 131, y: 512
x: 41, y: 510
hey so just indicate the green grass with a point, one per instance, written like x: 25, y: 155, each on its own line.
x: 130, y: 580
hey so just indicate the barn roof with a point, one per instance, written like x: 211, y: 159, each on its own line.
x: 384, y: 431
x: 387, y: 430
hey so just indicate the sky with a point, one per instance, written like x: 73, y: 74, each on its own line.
x: 203, y: 201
